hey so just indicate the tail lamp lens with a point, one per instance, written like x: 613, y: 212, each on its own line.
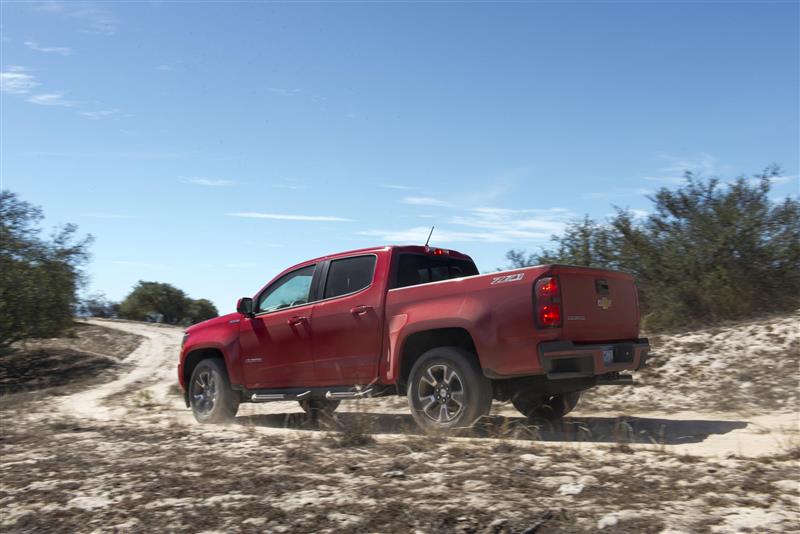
x: 548, y: 302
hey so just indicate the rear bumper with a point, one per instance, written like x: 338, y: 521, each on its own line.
x: 564, y: 359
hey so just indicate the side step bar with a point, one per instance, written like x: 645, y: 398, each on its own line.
x: 266, y: 397
x: 342, y: 395
x: 330, y: 395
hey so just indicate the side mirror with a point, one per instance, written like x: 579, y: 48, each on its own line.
x: 245, y: 306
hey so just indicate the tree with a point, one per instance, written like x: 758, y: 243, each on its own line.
x: 39, y: 277
x: 706, y: 253
x: 97, y: 305
x: 584, y: 242
x: 160, y: 302
x: 201, y: 310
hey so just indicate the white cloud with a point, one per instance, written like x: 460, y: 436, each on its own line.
x: 92, y: 19
x: 676, y: 167
x: 487, y: 225
x: 783, y: 179
x: 16, y: 80
x: 286, y: 217
x: 426, y: 201
x: 62, y: 50
x: 164, y: 68
x: 639, y: 214
x: 419, y: 234
x: 536, y: 224
x: 396, y: 186
x: 197, y: 180
x: 50, y: 6
x: 50, y: 99
x: 95, y: 115
x: 111, y: 155
x: 289, y: 186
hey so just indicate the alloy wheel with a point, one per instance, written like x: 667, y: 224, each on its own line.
x: 204, y: 392
x: 441, y: 393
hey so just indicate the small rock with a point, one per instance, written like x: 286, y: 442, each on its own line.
x: 570, y: 489
x: 608, y: 520
x: 396, y: 473
x: 528, y: 457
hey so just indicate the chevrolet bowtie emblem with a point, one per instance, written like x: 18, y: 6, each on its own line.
x: 604, y: 302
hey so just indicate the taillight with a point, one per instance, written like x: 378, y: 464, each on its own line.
x: 548, y: 302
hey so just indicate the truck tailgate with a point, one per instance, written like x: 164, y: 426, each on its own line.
x: 597, y: 305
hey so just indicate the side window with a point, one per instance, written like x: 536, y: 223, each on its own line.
x: 292, y: 289
x: 349, y: 275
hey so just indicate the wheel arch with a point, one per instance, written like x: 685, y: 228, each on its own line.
x: 418, y: 343
x: 193, y: 358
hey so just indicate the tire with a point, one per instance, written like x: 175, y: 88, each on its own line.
x: 560, y: 405
x: 210, y: 394
x: 319, y: 407
x: 527, y: 403
x: 447, y: 391
x: 553, y: 407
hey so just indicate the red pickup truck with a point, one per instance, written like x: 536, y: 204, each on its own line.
x: 420, y: 322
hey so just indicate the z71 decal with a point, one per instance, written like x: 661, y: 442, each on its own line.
x: 508, y: 278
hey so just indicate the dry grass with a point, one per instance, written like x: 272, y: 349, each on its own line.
x: 83, y: 476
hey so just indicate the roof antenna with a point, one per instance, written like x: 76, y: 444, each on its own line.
x: 429, y: 236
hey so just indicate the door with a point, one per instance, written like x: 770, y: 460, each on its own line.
x: 276, y: 344
x: 348, y: 322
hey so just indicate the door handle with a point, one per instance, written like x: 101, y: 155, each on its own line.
x: 360, y: 310
x: 296, y: 321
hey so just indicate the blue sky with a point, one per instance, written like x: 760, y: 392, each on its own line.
x: 211, y: 145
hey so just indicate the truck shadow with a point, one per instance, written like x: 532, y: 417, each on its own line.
x: 570, y: 429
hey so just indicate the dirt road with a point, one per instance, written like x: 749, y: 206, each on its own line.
x: 127, y: 455
x: 153, y: 376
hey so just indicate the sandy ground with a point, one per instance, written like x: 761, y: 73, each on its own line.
x: 685, y: 451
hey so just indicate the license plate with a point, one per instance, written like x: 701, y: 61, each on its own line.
x: 608, y: 356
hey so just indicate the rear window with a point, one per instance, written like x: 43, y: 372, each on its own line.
x: 414, y: 269
x: 349, y: 275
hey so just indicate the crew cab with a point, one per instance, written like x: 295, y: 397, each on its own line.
x: 420, y: 322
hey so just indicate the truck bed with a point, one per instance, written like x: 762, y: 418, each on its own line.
x: 498, y: 310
